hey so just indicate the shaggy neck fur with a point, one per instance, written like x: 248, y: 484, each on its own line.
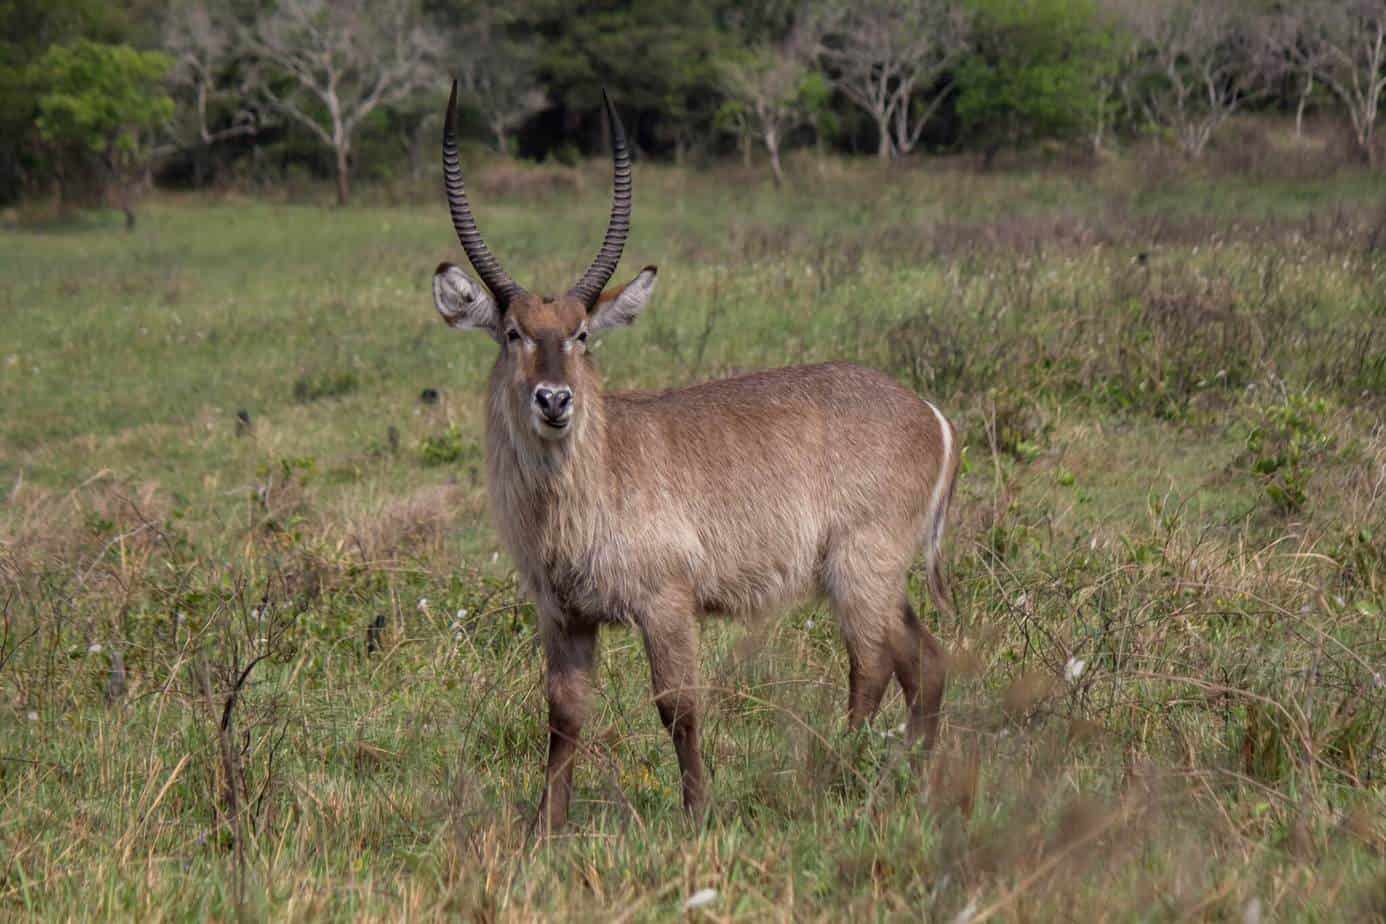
x: 547, y: 495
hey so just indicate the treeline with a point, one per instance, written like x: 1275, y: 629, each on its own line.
x: 97, y: 98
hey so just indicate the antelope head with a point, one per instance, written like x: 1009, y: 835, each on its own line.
x: 543, y: 366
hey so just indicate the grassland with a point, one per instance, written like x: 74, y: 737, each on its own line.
x: 259, y: 655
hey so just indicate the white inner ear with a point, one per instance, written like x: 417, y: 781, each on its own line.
x: 624, y: 308
x: 465, y: 303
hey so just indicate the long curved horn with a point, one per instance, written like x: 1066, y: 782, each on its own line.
x: 618, y: 227
x: 487, y: 267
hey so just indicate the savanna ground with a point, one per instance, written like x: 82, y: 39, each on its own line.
x: 273, y: 666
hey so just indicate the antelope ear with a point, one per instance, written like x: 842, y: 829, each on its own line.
x: 465, y: 303
x: 620, y: 307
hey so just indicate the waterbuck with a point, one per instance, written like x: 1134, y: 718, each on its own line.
x: 733, y: 496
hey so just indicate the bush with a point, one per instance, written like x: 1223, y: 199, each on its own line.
x: 1282, y: 447
x: 448, y: 448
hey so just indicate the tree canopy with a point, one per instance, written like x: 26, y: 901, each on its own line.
x: 352, y: 88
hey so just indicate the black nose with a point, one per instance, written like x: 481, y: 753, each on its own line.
x: 553, y: 402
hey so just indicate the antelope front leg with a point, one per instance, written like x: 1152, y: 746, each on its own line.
x: 672, y: 645
x: 570, y: 654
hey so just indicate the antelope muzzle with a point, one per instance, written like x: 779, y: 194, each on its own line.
x: 552, y: 409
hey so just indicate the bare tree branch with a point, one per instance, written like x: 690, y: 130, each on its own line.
x: 767, y: 90
x: 1342, y: 44
x: 205, y: 50
x: 342, y: 60
x: 884, y: 55
x: 499, y: 74
x: 1200, y: 63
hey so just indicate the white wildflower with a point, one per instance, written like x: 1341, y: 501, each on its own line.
x: 809, y: 623
x: 700, y: 899
x: 33, y: 716
x: 423, y: 604
x: 94, y: 648
x: 1074, y: 669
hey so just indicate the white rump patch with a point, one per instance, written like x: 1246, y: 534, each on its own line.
x: 935, y: 520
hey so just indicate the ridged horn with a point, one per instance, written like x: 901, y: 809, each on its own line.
x: 618, y: 227
x: 486, y: 265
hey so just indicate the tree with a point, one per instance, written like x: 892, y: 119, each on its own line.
x: 1039, y: 68
x: 328, y: 64
x: 499, y: 73
x: 206, y: 51
x: 893, y: 59
x: 28, y: 29
x: 107, y: 100
x: 655, y: 57
x: 771, y: 91
x: 1343, y: 43
x: 1200, y: 63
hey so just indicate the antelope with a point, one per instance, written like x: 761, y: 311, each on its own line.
x: 730, y: 497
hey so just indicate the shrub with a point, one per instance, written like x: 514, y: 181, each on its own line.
x: 449, y: 447
x: 1282, y: 446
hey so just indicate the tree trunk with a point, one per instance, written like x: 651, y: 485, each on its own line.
x: 884, y: 149
x: 1303, y: 101
x: 125, y: 200
x: 746, y: 150
x: 343, y: 177
x: 415, y: 152
x: 1366, y: 134
x: 772, y: 144
x: 121, y: 188
x: 989, y: 154
x: 1100, y: 129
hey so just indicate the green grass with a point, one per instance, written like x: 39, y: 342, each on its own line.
x: 1171, y: 391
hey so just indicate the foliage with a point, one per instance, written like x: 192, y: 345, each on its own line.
x: 656, y: 57
x: 770, y: 92
x: 1284, y: 446
x: 1037, y: 70
x: 449, y: 447
x: 105, y: 98
x: 28, y: 29
x: 104, y: 102
x: 255, y: 85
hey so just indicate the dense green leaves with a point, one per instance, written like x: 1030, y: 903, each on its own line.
x: 107, y: 98
x: 1037, y: 70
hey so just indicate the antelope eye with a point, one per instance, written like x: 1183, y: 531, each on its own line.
x: 512, y: 335
x: 582, y: 336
